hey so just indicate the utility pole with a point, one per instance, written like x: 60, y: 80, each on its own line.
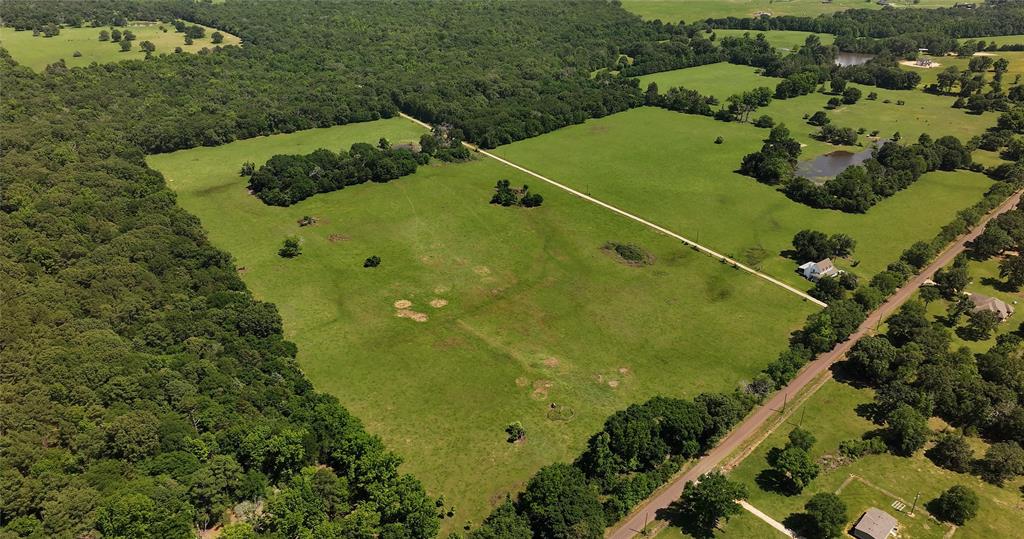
x: 914, y: 507
x: 785, y: 399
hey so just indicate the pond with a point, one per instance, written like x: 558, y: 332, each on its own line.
x: 825, y: 167
x: 852, y: 58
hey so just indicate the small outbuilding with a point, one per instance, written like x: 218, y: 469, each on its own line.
x: 874, y: 524
x: 985, y: 303
x: 813, y: 271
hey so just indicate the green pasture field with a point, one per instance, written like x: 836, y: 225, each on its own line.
x: 37, y: 52
x: 697, y: 10
x: 720, y: 80
x: 537, y: 312
x: 830, y: 414
x: 930, y: 75
x: 665, y: 167
x: 920, y: 112
x: 780, y: 39
x: 998, y: 40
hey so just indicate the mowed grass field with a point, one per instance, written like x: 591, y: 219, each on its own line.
x: 696, y: 10
x: 720, y: 80
x: 930, y: 75
x: 780, y: 39
x: 878, y: 480
x: 665, y: 166
x: 37, y: 52
x: 537, y: 313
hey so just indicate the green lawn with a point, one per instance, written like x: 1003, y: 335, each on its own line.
x: 665, y: 167
x: 37, y: 52
x: 537, y: 312
x: 780, y: 39
x: 999, y: 40
x: 742, y: 526
x: 830, y: 415
x: 695, y: 10
x: 720, y: 80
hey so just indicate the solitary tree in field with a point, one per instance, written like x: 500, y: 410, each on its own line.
x: 115, y: 35
x: 104, y: 35
x: 712, y: 499
x: 217, y: 38
x: 952, y: 452
x: 290, y: 248
x: 126, y: 46
x: 148, y: 47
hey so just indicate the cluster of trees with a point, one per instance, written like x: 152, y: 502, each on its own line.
x: 1004, y: 233
x: 882, y: 71
x: 776, y: 161
x: 680, y: 99
x: 683, y: 48
x: 892, y: 168
x: 444, y: 143
x: 814, y: 245
x: 638, y: 449
x: 147, y: 392
x: 505, y: 195
x: 287, y: 179
x: 791, y: 466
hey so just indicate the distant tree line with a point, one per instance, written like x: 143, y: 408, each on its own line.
x: 287, y: 179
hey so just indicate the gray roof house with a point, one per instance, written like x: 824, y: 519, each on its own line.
x: 984, y: 303
x: 874, y: 524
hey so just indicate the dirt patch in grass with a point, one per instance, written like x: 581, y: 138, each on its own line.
x: 438, y: 303
x: 242, y: 270
x: 541, y: 388
x: 406, y: 313
x: 482, y: 271
x: 335, y: 238
x: 613, y: 384
x: 624, y: 370
x: 552, y: 362
x: 441, y: 289
x: 403, y: 304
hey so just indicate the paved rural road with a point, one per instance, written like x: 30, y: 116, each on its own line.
x: 636, y: 218
x: 647, y: 512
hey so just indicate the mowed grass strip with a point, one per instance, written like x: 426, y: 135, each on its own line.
x: 697, y: 10
x: 37, y: 52
x: 536, y: 312
x: 831, y: 415
x: 664, y: 166
x: 719, y: 80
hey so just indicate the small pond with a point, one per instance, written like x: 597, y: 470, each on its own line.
x: 825, y: 167
x: 852, y: 58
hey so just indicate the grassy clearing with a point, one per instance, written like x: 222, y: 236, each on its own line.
x: 537, y: 312
x: 780, y: 39
x: 37, y: 52
x: 919, y: 113
x: 930, y: 75
x: 720, y: 80
x: 998, y: 40
x: 742, y: 526
x: 665, y: 167
x: 831, y: 416
x: 695, y: 10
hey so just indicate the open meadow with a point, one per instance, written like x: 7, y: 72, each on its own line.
x: 876, y: 480
x: 665, y: 166
x: 37, y: 52
x: 698, y: 10
x: 931, y: 74
x: 780, y: 39
x: 524, y: 316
